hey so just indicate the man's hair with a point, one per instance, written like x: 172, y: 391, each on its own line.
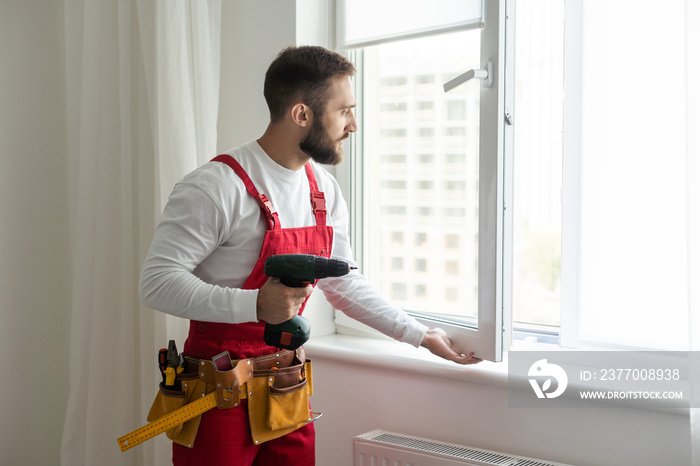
x: 302, y: 74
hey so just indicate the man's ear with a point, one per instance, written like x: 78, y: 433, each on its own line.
x: 301, y: 114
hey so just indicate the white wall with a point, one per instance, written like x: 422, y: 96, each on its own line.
x: 252, y: 34
x: 34, y: 241
x: 361, y: 393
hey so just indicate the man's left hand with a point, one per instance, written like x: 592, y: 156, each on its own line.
x: 436, y: 341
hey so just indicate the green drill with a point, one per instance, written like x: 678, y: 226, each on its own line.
x: 297, y: 271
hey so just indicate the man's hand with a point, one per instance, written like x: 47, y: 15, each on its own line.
x: 436, y: 341
x: 278, y: 303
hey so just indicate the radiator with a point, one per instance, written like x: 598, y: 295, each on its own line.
x: 381, y: 448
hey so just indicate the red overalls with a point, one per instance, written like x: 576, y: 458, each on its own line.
x: 224, y: 435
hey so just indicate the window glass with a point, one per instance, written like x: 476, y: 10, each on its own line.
x: 537, y: 163
x: 633, y: 270
x: 421, y: 169
x: 627, y: 244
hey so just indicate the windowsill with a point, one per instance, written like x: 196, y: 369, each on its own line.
x: 381, y: 353
x: 367, y: 351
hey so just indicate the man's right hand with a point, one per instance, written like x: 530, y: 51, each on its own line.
x: 278, y: 303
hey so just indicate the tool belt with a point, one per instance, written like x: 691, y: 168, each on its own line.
x: 277, y: 388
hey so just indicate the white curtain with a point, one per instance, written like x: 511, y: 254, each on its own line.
x: 142, y: 93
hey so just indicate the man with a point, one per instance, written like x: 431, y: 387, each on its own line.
x: 267, y: 197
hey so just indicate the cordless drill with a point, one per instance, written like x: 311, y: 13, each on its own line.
x: 297, y: 271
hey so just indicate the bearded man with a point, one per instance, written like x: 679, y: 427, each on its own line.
x: 223, y: 220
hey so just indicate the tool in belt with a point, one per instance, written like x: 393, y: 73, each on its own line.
x: 229, y: 382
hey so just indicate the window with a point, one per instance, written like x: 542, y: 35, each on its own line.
x: 432, y: 192
x: 550, y: 205
x: 451, y: 241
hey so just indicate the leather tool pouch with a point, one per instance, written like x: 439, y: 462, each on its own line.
x: 228, y: 382
x: 202, y: 377
x: 278, y: 394
x: 278, y: 400
x: 170, y: 399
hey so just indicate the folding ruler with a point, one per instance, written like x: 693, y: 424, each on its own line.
x: 168, y: 421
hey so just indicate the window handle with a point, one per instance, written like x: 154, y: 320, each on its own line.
x: 485, y: 74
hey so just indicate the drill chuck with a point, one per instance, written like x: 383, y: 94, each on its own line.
x: 331, y: 268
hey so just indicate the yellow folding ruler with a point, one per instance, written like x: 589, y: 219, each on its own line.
x: 168, y: 421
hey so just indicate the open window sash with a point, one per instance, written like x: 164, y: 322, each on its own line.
x: 485, y: 335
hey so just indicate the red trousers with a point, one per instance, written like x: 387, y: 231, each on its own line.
x: 214, y: 448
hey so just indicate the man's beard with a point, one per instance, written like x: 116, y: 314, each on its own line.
x: 318, y: 145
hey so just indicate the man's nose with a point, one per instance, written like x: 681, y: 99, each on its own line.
x: 352, y: 125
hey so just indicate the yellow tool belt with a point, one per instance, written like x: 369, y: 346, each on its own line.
x: 277, y: 387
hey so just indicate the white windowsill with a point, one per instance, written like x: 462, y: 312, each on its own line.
x: 388, y: 353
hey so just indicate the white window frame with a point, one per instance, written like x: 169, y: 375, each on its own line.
x: 571, y: 177
x: 488, y: 337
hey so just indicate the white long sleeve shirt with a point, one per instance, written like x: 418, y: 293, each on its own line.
x: 211, y: 232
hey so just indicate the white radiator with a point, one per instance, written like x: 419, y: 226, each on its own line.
x: 382, y: 448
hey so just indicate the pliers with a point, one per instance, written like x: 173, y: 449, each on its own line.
x: 170, y: 363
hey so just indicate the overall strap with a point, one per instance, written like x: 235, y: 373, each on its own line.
x: 318, y: 199
x: 271, y: 217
